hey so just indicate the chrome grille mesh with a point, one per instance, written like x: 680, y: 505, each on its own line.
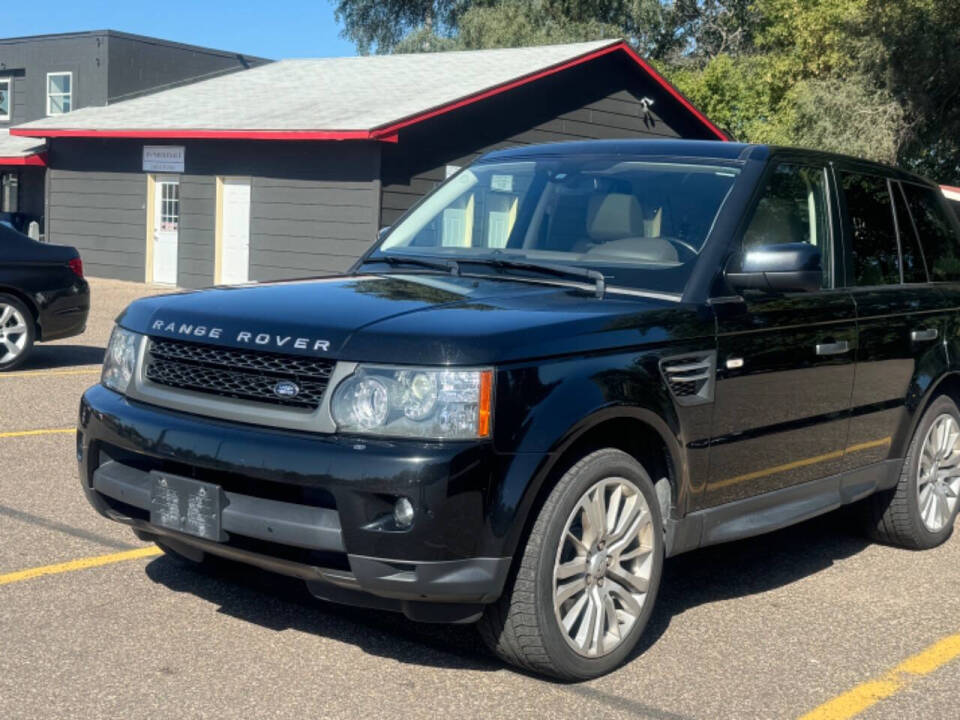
x: 242, y: 374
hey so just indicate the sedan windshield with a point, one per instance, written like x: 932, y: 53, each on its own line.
x: 641, y: 223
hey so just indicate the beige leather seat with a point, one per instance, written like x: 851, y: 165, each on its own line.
x: 616, y: 222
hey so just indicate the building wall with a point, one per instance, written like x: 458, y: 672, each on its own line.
x: 139, y: 65
x: 314, y: 206
x: 103, y: 215
x: 29, y: 60
x: 301, y: 227
x: 198, y: 214
x: 598, y: 100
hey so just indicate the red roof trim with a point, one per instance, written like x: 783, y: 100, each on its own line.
x: 385, y: 133
x: 37, y: 160
x: 620, y: 46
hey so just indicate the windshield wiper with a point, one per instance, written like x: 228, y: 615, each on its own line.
x: 450, y: 266
x: 599, y: 281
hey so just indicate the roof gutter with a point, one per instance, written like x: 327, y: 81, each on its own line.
x: 35, y: 160
x: 386, y: 133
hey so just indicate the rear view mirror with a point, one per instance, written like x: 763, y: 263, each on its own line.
x: 787, y: 267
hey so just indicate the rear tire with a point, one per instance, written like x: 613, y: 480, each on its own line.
x: 17, y: 332
x: 920, y: 511
x: 585, y: 584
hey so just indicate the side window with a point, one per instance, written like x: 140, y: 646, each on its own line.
x: 936, y: 232
x: 914, y: 268
x: 792, y: 209
x: 874, y: 252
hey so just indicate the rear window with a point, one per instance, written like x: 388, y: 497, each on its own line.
x: 875, y: 253
x: 936, y: 231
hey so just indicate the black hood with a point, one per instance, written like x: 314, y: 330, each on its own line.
x: 414, y: 318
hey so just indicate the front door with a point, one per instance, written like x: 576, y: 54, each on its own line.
x: 785, y: 361
x: 235, y: 232
x: 166, y: 229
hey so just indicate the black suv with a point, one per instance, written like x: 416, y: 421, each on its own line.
x: 565, y: 364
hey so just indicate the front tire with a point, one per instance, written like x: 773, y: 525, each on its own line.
x: 588, y: 577
x: 17, y: 332
x: 920, y: 511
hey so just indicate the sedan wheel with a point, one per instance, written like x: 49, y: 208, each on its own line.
x: 16, y: 332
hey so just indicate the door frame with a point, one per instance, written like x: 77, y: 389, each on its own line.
x: 151, y: 223
x: 218, y: 226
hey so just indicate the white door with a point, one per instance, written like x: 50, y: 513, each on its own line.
x: 166, y: 229
x: 235, y: 233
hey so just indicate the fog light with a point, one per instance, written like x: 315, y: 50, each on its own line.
x: 403, y: 513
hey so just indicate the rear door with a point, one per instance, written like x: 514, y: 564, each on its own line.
x: 900, y: 314
x: 785, y: 362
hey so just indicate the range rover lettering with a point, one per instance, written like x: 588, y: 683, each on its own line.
x: 564, y: 365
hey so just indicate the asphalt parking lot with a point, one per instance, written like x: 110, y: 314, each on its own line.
x: 95, y: 624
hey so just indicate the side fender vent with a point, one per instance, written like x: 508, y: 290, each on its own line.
x: 691, y: 378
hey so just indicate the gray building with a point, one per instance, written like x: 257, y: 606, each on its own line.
x: 48, y: 76
x: 289, y: 169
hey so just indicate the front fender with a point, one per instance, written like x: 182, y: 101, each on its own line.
x: 543, y: 410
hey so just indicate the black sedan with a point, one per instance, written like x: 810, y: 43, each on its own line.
x: 43, y: 295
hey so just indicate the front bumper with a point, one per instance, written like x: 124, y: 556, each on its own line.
x: 311, y: 506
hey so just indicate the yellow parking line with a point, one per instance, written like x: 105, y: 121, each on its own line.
x: 855, y: 701
x: 26, y: 433
x: 45, y: 373
x: 81, y: 564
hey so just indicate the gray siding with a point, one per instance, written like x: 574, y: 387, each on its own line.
x: 196, y: 241
x: 309, y: 227
x: 103, y: 215
x: 139, y: 65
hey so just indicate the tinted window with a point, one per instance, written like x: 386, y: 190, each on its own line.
x: 874, y: 251
x: 914, y: 270
x: 793, y: 209
x: 936, y: 232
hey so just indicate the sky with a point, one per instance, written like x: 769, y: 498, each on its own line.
x: 266, y: 28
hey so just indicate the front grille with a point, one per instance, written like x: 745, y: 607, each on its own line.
x: 241, y: 374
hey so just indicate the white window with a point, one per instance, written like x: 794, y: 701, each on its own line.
x: 59, y: 93
x: 6, y: 98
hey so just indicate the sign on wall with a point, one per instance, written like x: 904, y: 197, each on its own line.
x: 164, y: 158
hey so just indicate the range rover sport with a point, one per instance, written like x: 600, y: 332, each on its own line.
x: 566, y: 364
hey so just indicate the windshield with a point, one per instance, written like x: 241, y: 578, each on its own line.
x: 642, y: 223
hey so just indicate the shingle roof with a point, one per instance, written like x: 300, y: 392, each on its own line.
x: 18, y: 147
x: 355, y: 97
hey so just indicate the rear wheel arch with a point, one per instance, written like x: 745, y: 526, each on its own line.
x: 947, y: 384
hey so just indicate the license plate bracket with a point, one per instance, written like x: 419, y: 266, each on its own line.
x: 186, y: 505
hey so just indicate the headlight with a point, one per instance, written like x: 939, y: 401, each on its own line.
x: 415, y: 402
x: 121, y: 359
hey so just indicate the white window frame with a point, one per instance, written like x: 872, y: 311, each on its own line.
x: 8, y: 81
x: 68, y: 95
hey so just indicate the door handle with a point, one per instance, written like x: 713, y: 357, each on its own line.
x: 833, y: 348
x: 924, y: 335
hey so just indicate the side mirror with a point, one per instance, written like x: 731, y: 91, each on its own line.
x: 788, y: 267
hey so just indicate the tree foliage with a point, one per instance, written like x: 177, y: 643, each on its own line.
x: 874, y: 78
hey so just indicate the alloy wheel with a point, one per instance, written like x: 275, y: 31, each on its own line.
x: 603, y: 566
x: 13, y: 333
x: 938, y: 473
